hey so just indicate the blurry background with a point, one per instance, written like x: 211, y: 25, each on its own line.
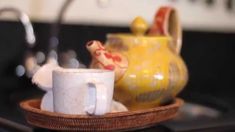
x: 208, y: 43
x: 205, y: 15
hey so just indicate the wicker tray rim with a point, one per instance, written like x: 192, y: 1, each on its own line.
x: 25, y: 105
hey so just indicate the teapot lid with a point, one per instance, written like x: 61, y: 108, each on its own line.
x: 166, y: 25
x: 139, y: 26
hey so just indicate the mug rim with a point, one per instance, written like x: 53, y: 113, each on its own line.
x: 81, y: 70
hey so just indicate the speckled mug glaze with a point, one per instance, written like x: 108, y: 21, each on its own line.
x: 82, y: 91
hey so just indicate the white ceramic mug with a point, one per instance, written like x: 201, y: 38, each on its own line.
x: 82, y: 91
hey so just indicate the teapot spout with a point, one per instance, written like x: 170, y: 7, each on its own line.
x: 104, y: 59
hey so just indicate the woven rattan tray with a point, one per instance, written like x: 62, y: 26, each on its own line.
x: 109, y: 122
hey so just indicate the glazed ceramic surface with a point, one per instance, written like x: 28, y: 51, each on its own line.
x: 155, y: 72
x: 82, y: 91
x: 149, y: 70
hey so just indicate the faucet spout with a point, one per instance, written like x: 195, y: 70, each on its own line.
x: 24, y: 19
x: 30, y: 62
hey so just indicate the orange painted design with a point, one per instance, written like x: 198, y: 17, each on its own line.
x: 114, y: 58
x: 109, y: 67
x: 160, y: 21
x: 104, y: 59
x: 100, y: 48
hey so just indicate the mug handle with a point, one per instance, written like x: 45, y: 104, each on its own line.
x: 96, y: 99
x: 166, y: 23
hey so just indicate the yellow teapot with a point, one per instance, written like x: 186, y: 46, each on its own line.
x: 148, y: 68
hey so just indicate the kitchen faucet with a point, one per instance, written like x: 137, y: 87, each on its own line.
x: 68, y: 59
x: 30, y: 62
x: 24, y: 19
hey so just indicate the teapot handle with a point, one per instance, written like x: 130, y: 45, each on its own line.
x: 166, y: 23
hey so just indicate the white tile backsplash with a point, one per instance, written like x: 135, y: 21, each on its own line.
x: 194, y: 15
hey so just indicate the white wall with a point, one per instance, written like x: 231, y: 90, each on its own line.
x: 194, y: 16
